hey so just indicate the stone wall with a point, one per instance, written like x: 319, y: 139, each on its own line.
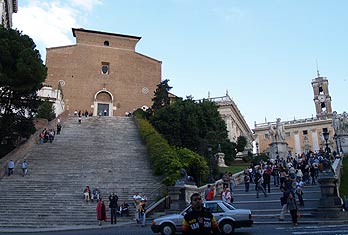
x: 18, y: 154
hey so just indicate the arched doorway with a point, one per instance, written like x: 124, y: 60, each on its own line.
x: 103, y: 103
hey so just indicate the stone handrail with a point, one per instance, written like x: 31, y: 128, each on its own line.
x: 337, y: 167
x: 21, y: 150
x: 238, y: 178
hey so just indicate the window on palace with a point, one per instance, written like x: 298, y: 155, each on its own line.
x: 105, y: 67
x: 106, y: 43
x: 287, y: 134
x: 325, y: 130
x: 266, y: 136
x: 305, y: 132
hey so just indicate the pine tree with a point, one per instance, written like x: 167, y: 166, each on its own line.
x: 21, y: 75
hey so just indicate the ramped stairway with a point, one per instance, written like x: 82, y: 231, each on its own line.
x: 103, y: 152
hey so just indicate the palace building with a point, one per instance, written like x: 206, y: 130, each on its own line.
x: 7, y: 8
x: 102, y: 73
x: 304, y: 135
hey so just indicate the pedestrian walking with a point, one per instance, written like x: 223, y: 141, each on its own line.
x: 258, y: 184
x: 246, y: 181
x: 293, y: 208
x: 101, y: 212
x: 10, y: 167
x: 24, y: 167
x: 283, y: 203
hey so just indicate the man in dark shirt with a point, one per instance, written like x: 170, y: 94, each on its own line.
x: 199, y: 221
x: 113, y: 198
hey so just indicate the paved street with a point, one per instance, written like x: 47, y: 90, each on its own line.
x: 255, y: 230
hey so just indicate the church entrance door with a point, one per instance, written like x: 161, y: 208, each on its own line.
x: 103, y: 109
x: 103, y: 103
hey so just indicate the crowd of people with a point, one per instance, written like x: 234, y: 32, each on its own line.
x: 290, y: 175
x: 116, y: 209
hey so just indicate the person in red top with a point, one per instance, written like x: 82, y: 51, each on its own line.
x: 101, y: 211
x: 210, y: 194
x: 199, y: 221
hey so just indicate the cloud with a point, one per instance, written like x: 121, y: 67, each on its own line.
x: 49, y: 23
x: 86, y: 4
x: 229, y: 14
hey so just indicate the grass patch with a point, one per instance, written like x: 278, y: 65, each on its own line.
x: 234, y: 168
x: 344, y: 179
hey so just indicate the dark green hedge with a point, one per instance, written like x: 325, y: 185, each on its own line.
x: 167, y: 161
x: 164, y: 159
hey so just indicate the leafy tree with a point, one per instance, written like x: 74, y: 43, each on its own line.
x: 241, y: 143
x: 21, y: 75
x: 46, y: 111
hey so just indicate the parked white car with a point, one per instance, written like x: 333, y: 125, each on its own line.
x: 227, y: 216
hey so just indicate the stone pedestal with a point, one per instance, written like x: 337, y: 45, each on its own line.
x: 330, y: 203
x: 177, y: 197
x: 278, y: 149
x: 343, y: 142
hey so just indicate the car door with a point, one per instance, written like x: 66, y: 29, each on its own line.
x: 216, y: 209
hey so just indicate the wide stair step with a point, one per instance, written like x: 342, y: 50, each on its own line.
x: 105, y: 153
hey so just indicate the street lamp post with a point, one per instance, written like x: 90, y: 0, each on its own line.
x: 211, y: 180
x: 335, y: 138
x: 326, y: 138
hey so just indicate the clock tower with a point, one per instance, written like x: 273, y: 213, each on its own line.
x: 322, y: 99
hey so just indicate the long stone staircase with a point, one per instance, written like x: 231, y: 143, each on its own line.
x: 102, y: 152
x: 267, y: 209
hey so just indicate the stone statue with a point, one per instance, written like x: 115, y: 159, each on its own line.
x: 336, y: 122
x: 185, y: 179
x: 340, y: 123
x: 277, y: 132
x: 221, y: 159
x: 344, y: 123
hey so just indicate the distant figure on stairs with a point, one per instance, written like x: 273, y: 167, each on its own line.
x: 124, y: 209
x: 101, y: 212
x: 24, y: 167
x: 113, y: 199
x: 10, y: 167
x: 95, y: 194
x: 137, y: 198
x: 59, y: 128
x: 87, y: 194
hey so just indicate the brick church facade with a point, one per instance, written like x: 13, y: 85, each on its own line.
x: 102, y: 73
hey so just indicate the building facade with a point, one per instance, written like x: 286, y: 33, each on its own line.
x: 304, y: 135
x: 102, y: 73
x: 235, y: 122
x: 7, y: 8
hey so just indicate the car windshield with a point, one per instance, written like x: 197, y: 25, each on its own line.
x: 229, y: 206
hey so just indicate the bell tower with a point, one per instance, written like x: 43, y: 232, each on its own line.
x: 322, y: 98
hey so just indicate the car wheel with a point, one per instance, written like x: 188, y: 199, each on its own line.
x: 226, y: 227
x: 167, y: 229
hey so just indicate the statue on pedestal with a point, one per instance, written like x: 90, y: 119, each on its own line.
x: 185, y: 179
x: 277, y: 132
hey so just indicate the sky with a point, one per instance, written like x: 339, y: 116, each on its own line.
x: 264, y: 53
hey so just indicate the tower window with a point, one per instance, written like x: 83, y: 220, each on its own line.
x: 106, y: 43
x: 323, y: 105
x: 305, y: 132
x: 105, y: 68
x: 320, y: 89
